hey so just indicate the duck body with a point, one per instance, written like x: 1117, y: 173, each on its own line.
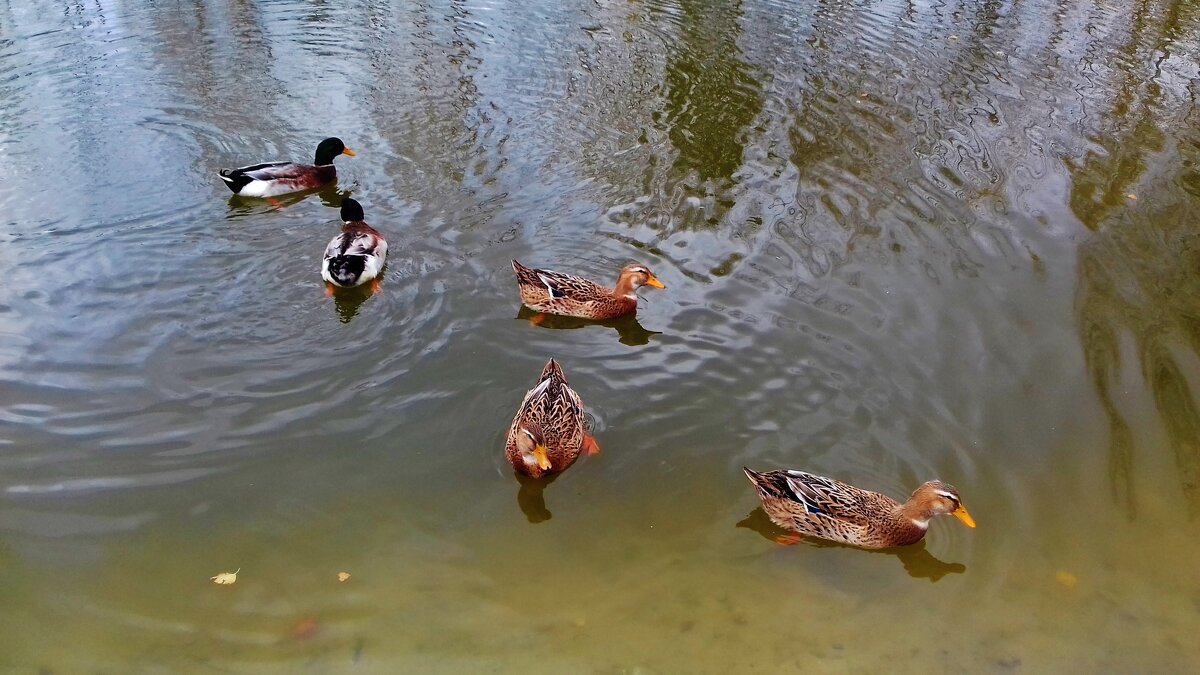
x: 547, y: 435
x: 271, y: 179
x: 829, y: 509
x: 357, y: 254
x: 570, y: 295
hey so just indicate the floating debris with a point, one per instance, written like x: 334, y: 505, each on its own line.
x: 342, y: 576
x: 226, y: 578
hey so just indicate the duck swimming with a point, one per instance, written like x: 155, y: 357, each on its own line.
x: 271, y: 179
x: 570, y: 295
x: 547, y: 435
x: 825, y: 508
x: 356, y: 255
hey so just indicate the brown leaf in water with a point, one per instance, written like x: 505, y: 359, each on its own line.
x: 342, y: 576
x: 1066, y: 579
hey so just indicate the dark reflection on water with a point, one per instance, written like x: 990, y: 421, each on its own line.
x: 629, y: 331
x: 712, y: 95
x: 531, y: 497
x: 900, y: 241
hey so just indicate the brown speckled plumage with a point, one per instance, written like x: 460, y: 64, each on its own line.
x: 553, y: 413
x: 830, y: 509
x: 569, y: 295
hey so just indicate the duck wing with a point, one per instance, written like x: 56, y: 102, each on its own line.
x: 558, y: 285
x: 357, y: 239
x: 270, y: 171
x: 827, y: 497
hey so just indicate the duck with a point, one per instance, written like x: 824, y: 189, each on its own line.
x: 271, y: 179
x: 829, y: 509
x: 548, y: 433
x: 356, y: 255
x: 570, y: 295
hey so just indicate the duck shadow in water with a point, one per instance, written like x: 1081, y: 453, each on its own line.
x: 347, y: 301
x: 329, y: 195
x: 628, y: 329
x: 530, y: 498
x: 918, y: 562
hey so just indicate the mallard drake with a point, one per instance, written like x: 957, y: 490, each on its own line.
x: 357, y: 254
x: 567, y: 294
x: 547, y: 435
x: 271, y: 179
x: 829, y: 509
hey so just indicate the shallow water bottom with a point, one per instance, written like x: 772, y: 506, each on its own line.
x: 603, y: 587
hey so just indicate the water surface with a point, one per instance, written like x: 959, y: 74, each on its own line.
x: 901, y: 240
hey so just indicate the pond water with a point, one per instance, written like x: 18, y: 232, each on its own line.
x: 901, y: 240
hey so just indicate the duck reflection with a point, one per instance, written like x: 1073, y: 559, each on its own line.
x: 917, y: 561
x: 330, y: 195
x: 530, y: 498
x: 347, y: 301
x: 628, y: 329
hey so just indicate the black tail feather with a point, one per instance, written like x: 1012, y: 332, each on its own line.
x: 346, y: 269
x: 234, y: 179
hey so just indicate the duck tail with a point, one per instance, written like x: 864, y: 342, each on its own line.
x: 552, y: 369
x: 754, y: 476
x: 346, y: 270
x: 234, y: 179
x: 525, y: 275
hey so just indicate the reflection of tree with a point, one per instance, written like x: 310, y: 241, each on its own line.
x: 430, y: 106
x: 712, y: 94
x: 1140, y: 273
x: 1145, y: 280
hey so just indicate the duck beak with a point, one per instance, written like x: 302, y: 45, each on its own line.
x: 348, y: 151
x: 653, y: 281
x: 962, y: 515
x: 543, y: 461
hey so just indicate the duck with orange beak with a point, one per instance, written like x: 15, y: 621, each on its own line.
x: 825, y: 508
x: 569, y: 295
x: 548, y: 434
x: 271, y: 179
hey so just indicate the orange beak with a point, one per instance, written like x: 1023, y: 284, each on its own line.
x: 653, y: 281
x: 962, y: 515
x: 348, y: 151
x: 543, y: 461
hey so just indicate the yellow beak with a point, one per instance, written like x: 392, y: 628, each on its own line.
x: 543, y: 462
x: 962, y: 515
x: 653, y: 281
x: 348, y: 151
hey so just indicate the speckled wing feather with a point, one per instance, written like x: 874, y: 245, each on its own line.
x: 829, y: 498
x: 551, y: 285
x: 820, y: 507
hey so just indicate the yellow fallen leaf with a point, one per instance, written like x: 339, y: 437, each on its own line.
x: 226, y: 578
x: 1066, y: 579
x: 342, y: 576
x: 1132, y: 196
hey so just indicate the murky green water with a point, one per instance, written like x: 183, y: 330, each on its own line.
x: 900, y: 240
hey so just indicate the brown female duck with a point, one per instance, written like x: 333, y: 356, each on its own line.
x: 829, y: 509
x: 271, y: 179
x: 547, y: 435
x: 569, y: 295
